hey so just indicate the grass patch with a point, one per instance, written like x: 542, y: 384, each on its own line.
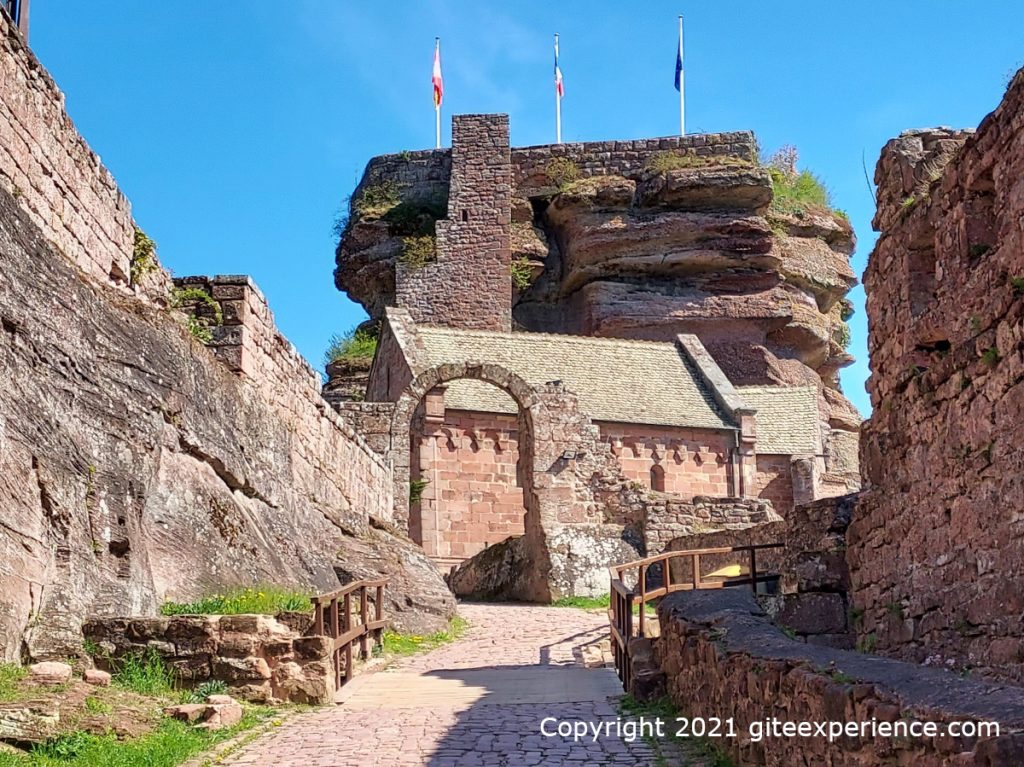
x: 202, y: 313
x: 10, y: 675
x: 352, y: 344
x: 204, y: 691
x: 584, y: 603
x: 662, y: 162
x: 990, y: 356
x: 143, y: 256
x: 96, y: 706
x: 144, y: 674
x: 416, y: 488
x: 170, y: 744
x: 377, y: 199
x: 562, y: 171
x: 703, y: 749
x: 411, y: 644
x: 602, y: 602
x: 418, y: 251
x: 258, y: 600
x: 521, y: 273
x: 798, y: 193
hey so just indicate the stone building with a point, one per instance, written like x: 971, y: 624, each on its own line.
x: 712, y: 377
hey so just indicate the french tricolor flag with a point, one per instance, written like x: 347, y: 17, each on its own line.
x: 559, y: 85
x: 435, y: 78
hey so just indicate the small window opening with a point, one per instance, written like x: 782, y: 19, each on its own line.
x: 657, y: 478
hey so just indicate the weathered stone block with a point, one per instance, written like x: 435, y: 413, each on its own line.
x: 813, y: 613
x: 50, y: 673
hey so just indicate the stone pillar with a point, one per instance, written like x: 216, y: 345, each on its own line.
x: 746, y: 474
x: 804, y: 476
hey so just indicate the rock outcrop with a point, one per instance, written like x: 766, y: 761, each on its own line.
x: 936, y: 543
x: 136, y: 467
x: 646, y: 239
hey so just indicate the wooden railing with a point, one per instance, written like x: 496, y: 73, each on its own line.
x: 651, y: 585
x: 344, y: 615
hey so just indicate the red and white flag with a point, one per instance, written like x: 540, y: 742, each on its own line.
x: 559, y: 85
x: 436, y: 77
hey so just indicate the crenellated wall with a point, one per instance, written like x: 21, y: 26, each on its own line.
x: 936, y: 544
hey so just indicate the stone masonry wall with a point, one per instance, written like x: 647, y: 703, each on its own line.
x: 773, y: 479
x: 472, y: 498
x: 136, y: 468
x: 667, y: 519
x: 332, y: 456
x: 259, y: 658
x: 622, y: 158
x: 53, y: 174
x: 689, y: 462
x: 469, y: 284
x: 722, y: 658
x: 937, y: 541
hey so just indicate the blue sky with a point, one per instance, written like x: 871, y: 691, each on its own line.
x: 237, y: 127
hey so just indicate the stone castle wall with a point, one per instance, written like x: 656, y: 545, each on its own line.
x: 723, y: 658
x: 937, y: 541
x: 689, y: 461
x: 773, y: 479
x: 425, y: 175
x: 331, y: 455
x: 469, y: 284
x: 137, y: 465
x: 686, y: 523
x: 53, y: 174
x: 259, y: 658
x: 622, y: 158
x: 473, y: 497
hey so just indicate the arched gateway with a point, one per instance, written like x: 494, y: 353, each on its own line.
x: 420, y: 390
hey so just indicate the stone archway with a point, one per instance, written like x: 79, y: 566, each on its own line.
x: 401, y: 425
x: 574, y: 493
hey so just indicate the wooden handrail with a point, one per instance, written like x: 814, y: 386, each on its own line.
x: 333, y: 617
x: 348, y: 588
x: 623, y: 598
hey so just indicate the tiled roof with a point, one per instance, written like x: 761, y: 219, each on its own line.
x: 616, y: 380
x: 787, y: 418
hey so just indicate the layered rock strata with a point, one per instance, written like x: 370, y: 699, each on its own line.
x: 136, y: 467
x: 645, y: 239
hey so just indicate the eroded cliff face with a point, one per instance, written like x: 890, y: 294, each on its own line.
x: 647, y: 239
x: 134, y: 467
x: 937, y: 541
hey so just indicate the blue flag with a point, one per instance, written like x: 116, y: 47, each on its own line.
x: 679, y: 64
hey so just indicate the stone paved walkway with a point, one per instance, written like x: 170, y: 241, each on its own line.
x: 478, y: 701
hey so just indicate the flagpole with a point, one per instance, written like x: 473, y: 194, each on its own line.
x: 437, y: 106
x: 682, y: 89
x: 558, y: 102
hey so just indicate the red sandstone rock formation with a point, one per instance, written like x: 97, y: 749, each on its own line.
x: 646, y: 239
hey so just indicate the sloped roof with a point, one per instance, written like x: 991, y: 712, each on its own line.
x: 787, y: 418
x: 615, y: 379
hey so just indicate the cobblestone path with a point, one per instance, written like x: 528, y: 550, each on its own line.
x: 478, y: 701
